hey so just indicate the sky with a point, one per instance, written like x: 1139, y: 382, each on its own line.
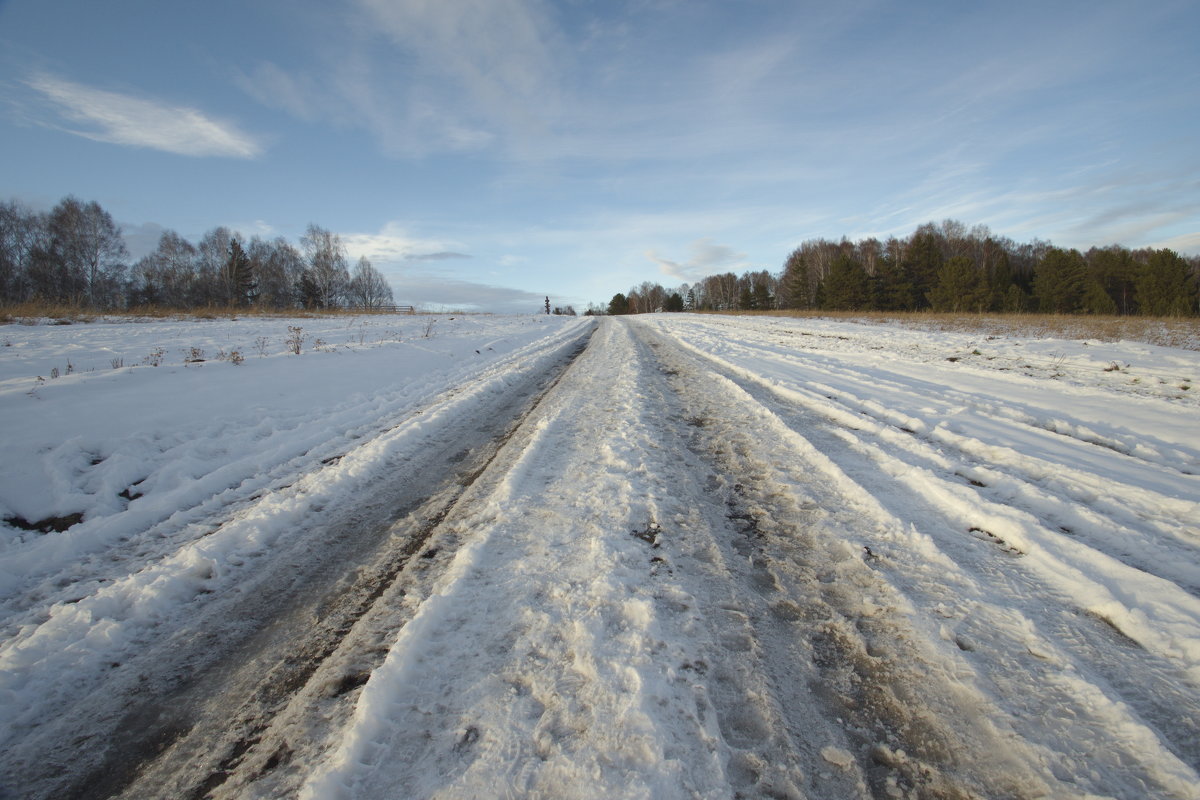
x: 486, y: 154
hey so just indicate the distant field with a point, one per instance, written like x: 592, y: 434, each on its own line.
x: 1181, y: 332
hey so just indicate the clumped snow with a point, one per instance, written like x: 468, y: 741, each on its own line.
x: 703, y: 557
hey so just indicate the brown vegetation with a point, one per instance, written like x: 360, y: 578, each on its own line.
x: 1180, y: 332
x: 33, y: 312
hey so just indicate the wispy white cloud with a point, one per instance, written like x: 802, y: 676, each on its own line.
x: 1184, y: 243
x: 122, y: 119
x: 392, y: 244
x: 441, y: 255
x: 277, y: 88
x: 141, y: 238
x: 435, y: 293
x: 493, y: 59
x: 427, y: 77
x: 706, y: 258
x: 260, y: 228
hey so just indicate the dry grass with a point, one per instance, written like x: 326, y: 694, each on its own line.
x: 29, y: 312
x: 1179, y: 332
x: 33, y: 313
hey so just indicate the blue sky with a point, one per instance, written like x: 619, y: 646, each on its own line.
x: 487, y: 153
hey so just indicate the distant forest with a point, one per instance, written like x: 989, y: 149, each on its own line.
x: 946, y: 267
x: 74, y: 255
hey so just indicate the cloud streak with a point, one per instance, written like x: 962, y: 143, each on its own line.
x: 492, y: 60
x: 439, y: 294
x: 392, y: 244
x: 707, y: 258
x: 443, y: 255
x: 136, y: 122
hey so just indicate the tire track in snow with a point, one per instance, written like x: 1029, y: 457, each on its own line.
x: 563, y: 680
x: 173, y: 693
x: 906, y: 369
x: 842, y: 393
x: 756, y: 654
x: 1082, y: 667
x: 599, y: 645
x: 870, y: 708
x: 1111, y: 515
x: 151, y: 528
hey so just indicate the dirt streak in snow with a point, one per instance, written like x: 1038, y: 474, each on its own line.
x: 704, y: 565
x: 1018, y: 624
x: 644, y: 610
x: 193, y: 706
x: 830, y: 641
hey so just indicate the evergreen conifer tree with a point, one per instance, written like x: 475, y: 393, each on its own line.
x: 845, y: 288
x: 958, y: 287
x: 1059, y: 281
x: 922, y: 260
x: 1164, y: 286
x: 238, y: 277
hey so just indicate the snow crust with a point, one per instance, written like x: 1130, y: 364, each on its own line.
x: 201, y: 451
x: 723, y: 556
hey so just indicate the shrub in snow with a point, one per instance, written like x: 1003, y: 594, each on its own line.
x: 295, y: 338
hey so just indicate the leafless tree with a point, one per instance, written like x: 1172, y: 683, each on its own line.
x: 167, y: 276
x: 22, y: 231
x: 82, y: 258
x: 326, y: 256
x: 213, y: 252
x: 277, y: 266
x: 368, y: 287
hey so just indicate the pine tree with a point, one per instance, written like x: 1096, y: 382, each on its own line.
x: 845, y: 288
x: 1163, y: 285
x: 1059, y: 281
x: 892, y: 289
x: 762, y: 295
x: 996, y: 274
x: 794, y: 288
x: 1095, y: 300
x: 238, y: 276
x: 958, y: 286
x: 1115, y: 271
x: 922, y: 260
x: 1015, y: 300
x: 307, y: 292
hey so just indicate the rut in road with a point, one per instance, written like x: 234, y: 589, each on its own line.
x: 174, y: 721
x: 671, y: 580
x: 634, y: 606
x: 1018, y: 623
x: 870, y: 708
x: 1059, y: 679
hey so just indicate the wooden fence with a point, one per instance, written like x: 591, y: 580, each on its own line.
x: 383, y: 309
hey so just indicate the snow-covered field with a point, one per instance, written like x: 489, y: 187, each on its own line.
x: 663, y: 556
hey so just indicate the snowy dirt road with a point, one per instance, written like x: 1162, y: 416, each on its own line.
x: 680, y: 556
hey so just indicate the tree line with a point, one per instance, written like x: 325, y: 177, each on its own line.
x: 75, y: 255
x: 943, y: 267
